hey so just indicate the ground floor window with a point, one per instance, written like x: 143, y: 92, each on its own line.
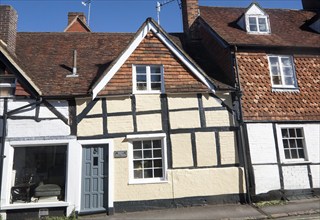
x: 39, y: 174
x: 148, y: 158
x: 293, y: 143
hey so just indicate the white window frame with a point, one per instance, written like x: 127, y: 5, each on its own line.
x: 248, y: 16
x: 148, y: 80
x: 156, y: 136
x: 281, y: 147
x: 282, y: 85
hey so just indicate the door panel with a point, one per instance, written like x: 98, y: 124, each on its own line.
x: 94, y: 178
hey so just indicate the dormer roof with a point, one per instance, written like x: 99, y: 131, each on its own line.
x: 287, y: 27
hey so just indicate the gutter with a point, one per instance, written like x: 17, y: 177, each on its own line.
x: 6, y: 115
x: 242, y: 128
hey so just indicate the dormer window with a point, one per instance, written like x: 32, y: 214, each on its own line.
x: 7, y: 83
x: 255, y: 20
x: 258, y: 24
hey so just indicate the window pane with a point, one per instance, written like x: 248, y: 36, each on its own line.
x: 141, y: 69
x: 274, y: 61
x: 275, y: 70
x: 136, y: 145
x: 158, y: 173
x: 299, y: 132
x: 155, y: 86
x: 147, y: 154
x: 147, y: 164
x: 138, y: 174
x: 6, y: 92
x: 301, y: 153
x: 141, y: 78
x: 155, y: 78
x: 141, y: 86
x: 262, y: 24
x: 252, y: 20
x: 286, y: 61
x: 292, y: 143
x: 148, y: 173
x: 137, y: 154
x: 292, y: 132
x: 284, y: 132
x: 288, y: 81
x: 10, y: 80
x: 146, y: 144
x: 137, y: 164
x: 285, y: 144
x: 155, y: 69
x: 276, y: 80
x: 299, y: 143
x: 157, y: 153
x: 156, y: 143
x: 294, y: 154
x: 157, y: 163
x: 287, y: 71
x: 253, y: 28
x: 287, y: 154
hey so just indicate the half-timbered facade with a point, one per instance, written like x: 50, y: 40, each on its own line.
x: 111, y: 122
x: 272, y: 58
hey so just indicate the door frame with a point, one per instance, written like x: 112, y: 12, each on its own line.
x: 109, y: 142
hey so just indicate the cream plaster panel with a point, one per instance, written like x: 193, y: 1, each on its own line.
x: 120, y: 124
x: 181, y: 150
x: 29, y: 111
x: 207, y: 182
x: 217, y: 118
x: 184, y: 119
x: 1, y: 127
x: 147, y: 102
x: 119, y: 104
x: 90, y: 126
x: 182, y: 101
x: 206, y: 149
x: 228, y: 148
x: 31, y: 128
x: 150, y: 122
x: 82, y: 104
x: 208, y: 101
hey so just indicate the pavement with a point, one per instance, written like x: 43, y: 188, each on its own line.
x: 293, y: 208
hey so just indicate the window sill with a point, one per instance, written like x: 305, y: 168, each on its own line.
x: 285, y: 89
x: 150, y: 181
x: 298, y: 162
x: 34, y: 205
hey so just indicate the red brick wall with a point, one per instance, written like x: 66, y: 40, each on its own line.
x: 261, y: 103
x: 152, y: 51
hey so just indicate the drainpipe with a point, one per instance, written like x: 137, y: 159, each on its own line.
x: 6, y: 115
x: 242, y: 143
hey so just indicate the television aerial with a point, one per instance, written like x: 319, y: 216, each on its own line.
x: 160, y: 4
x: 87, y: 3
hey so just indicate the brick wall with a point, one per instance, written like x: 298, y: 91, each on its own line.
x: 8, y: 26
x: 260, y: 102
x: 152, y: 51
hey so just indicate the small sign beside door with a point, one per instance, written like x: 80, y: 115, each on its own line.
x: 120, y: 154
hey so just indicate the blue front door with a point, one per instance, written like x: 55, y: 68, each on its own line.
x: 94, y: 196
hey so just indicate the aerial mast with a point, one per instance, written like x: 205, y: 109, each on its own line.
x: 159, y: 5
x: 85, y: 3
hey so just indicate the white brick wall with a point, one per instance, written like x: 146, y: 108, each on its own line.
x: 266, y: 178
x: 261, y: 143
x: 315, y: 171
x: 295, y: 177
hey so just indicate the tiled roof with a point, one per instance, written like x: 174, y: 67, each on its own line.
x: 47, y: 58
x: 288, y: 27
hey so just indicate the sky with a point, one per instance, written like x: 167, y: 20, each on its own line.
x: 116, y: 15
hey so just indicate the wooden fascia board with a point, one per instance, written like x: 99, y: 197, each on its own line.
x: 149, y: 25
x: 19, y: 70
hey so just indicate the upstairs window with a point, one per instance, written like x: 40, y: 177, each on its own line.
x: 7, y: 83
x: 282, y: 72
x: 258, y: 24
x: 148, y: 79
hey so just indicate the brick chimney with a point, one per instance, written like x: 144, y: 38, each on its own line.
x: 311, y: 4
x: 190, y: 11
x: 8, y: 26
x: 73, y: 15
